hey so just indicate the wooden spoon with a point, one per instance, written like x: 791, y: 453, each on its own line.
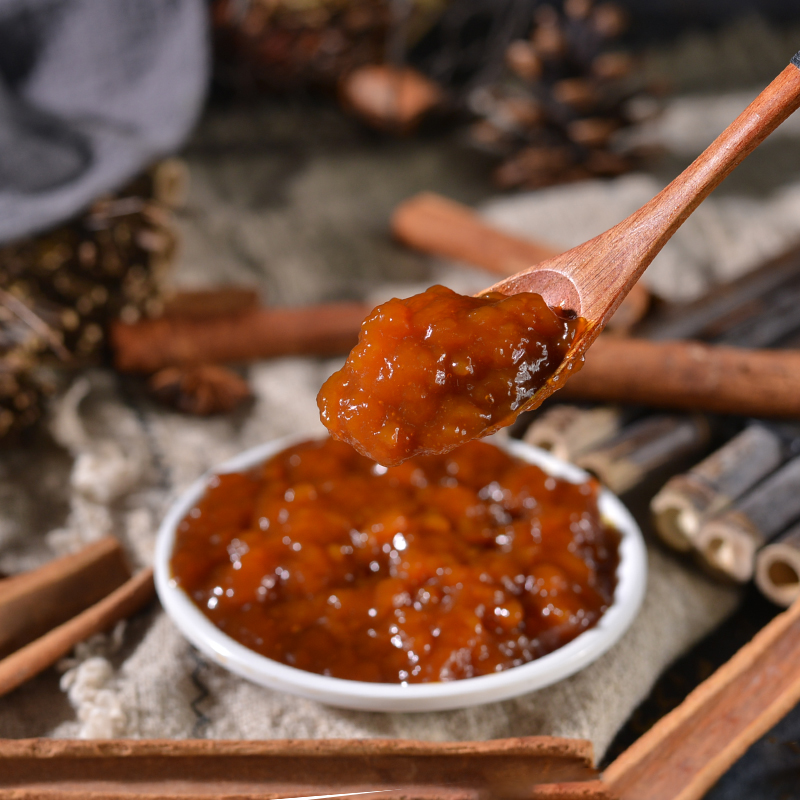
x: 593, y: 278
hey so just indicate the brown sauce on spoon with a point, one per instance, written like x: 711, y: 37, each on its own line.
x: 433, y: 371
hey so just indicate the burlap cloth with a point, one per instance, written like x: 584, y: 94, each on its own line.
x: 123, y: 461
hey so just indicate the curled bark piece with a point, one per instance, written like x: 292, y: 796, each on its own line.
x: 204, y: 303
x: 443, y: 227
x: 34, y: 602
x: 30, y: 660
x: 681, y: 375
x: 526, y: 768
x: 683, y: 755
x: 689, y: 375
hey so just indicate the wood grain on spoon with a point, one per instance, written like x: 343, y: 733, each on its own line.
x: 593, y: 278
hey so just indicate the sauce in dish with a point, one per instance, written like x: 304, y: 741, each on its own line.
x: 433, y: 371
x: 446, y: 567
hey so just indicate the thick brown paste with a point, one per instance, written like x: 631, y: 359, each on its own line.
x: 445, y: 567
x: 438, y: 369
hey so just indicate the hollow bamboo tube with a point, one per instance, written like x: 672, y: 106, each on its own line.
x: 728, y: 542
x: 778, y: 568
x: 569, y: 431
x: 686, y: 500
x: 644, y: 447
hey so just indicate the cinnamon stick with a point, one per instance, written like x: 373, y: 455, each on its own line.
x: 439, y: 226
x: 442, y: 227
x: 150, y: 345
x: 527, y: 768
x: 681, y: 375
x: 32, y: 603
x: 686, y: 500
x: 689, y: 375
x: 778, y: 568
x: 728, y: 542
x: 31, y: 659
x: 688, y: 750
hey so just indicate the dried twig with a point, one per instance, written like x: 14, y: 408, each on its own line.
x: 35, y: 323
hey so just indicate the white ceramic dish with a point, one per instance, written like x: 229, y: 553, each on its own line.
x: 544, y: 671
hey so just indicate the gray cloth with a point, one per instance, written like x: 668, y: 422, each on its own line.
x: 90, y: 92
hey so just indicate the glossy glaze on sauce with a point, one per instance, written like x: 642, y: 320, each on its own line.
x: 445, y: 567
x: 438, y: 369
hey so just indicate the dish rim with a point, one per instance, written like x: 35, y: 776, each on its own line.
x: 361, y: 695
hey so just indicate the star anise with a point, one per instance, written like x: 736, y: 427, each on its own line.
x: 203, y: 389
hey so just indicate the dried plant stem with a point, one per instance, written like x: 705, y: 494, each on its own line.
x: 35, y: 323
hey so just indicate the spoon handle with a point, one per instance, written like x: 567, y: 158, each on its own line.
x: 630, y: 246
x: 594, y: 278
x: 667, y: 211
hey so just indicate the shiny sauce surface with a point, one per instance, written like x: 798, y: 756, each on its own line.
x: 435, y: 370
x: 445, y: 567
